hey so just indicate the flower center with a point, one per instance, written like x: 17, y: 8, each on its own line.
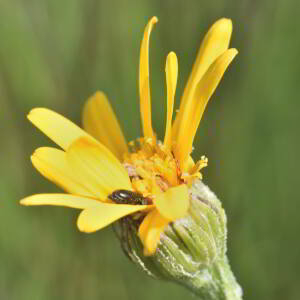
x: 151, y: 167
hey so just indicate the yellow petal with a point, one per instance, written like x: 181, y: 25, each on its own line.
x: 150, y: 231
x: 189, y: 164
x: 174, y: 203
x: 100, y: 121
x: 215, y: 42
x: 59, y: 129
x: 204, y: 90
x: 144, y: 86
x: 171, y: 78
x: 60, y: 200
x: 94, y: 163
x: 52, y: 164
x: 95, y: 218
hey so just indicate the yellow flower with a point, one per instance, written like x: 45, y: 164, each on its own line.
x: 148, y: 179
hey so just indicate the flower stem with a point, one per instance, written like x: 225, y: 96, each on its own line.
x: 216, y: 283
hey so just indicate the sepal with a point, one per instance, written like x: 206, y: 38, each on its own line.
x: 191, y: 251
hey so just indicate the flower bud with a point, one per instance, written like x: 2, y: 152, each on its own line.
x: 191, y: 251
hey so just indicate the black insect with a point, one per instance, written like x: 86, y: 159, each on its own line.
x: 128, y: 197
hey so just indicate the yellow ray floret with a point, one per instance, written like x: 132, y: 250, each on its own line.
x: 52, y: 163
x: 95, y: 215
x: 215, y: 42
x: 171, y: 78
x: 95, y: 164
x: 150, y: 231
x: 66, y: 200
x: 95, y: 218
x: 204, y: 90
x: 174, y: 203
x: 144, y: 86
x: 100, y: 121
x: 60, y: 130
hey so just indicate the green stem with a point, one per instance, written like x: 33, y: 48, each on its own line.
x: 215, y: 283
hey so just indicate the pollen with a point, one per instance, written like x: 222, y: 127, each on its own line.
x: 153, y: 168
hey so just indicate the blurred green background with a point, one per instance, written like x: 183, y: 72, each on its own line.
x: 56, y: 53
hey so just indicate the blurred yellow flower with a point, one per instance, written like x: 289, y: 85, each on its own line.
x: 109, y: 179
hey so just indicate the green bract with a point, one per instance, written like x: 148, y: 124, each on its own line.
x: 192, y: 250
